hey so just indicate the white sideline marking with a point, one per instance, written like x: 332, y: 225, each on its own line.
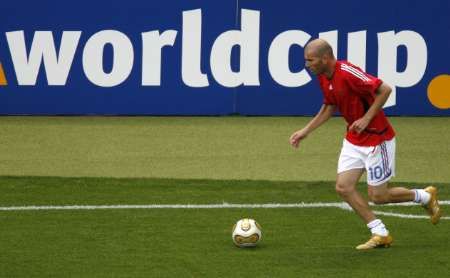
x: 340, y: 205
x: 401, y: 215
x: 177, y: 206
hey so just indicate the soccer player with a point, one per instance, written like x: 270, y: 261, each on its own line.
x: 369, y: 144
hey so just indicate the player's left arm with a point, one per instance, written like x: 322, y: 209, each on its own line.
x: 381, y: 96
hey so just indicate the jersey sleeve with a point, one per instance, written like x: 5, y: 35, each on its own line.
x: 362, y: 83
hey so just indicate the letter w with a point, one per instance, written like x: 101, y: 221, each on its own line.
x: 42, y: 48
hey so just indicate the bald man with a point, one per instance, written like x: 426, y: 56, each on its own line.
x: 369, y: 144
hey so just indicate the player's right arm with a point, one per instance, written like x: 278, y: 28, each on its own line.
x: 325, y: 112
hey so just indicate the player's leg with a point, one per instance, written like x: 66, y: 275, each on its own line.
x: 346, y: 188
x: 350, y: 168
x: 380, y: 166
x: 382, y: 194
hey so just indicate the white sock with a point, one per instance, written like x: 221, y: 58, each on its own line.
x: 421, y: 196
x: 377, y: 227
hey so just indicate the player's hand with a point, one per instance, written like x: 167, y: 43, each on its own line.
x: 295, y: 138
x: 359, y: 125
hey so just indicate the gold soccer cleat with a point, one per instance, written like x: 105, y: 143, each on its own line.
x: 432, y: 207
x: 376, y: 241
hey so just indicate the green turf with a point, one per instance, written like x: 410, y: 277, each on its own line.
x: 199, y: 160
x: 313, y: 242
x: 205, y: 148
x: 16, y: 191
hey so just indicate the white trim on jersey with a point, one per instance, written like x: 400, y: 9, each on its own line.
x: 355, y: 72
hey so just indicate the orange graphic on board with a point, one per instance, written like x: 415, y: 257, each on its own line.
x: 439, y: 91
x: 3, y: 81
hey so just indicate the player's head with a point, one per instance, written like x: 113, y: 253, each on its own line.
x: 318, y: 56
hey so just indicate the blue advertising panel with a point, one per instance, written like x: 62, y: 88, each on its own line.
x: 204, y: 57
x: 405, y: 43
x: 136, y: 76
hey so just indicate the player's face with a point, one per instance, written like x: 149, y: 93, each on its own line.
x: 314, y: 63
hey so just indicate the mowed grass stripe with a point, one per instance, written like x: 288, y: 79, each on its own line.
x: 238, y: 148
x: 53, y: 191
x: 197, y: 243
x: 56, y: 193
x: 317, y: 242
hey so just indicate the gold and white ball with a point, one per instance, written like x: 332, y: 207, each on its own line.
x: 246, y: 233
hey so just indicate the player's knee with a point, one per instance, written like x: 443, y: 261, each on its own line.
x: 344, y: 189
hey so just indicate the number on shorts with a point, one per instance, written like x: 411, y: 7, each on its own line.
x: 375, y: 173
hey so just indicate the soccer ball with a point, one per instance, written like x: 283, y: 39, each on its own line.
x: 246, y: 233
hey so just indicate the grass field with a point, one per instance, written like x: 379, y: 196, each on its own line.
x: 205, y: 148
x: 142, y: 161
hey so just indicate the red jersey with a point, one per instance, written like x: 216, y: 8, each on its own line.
x: 353, y: 92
